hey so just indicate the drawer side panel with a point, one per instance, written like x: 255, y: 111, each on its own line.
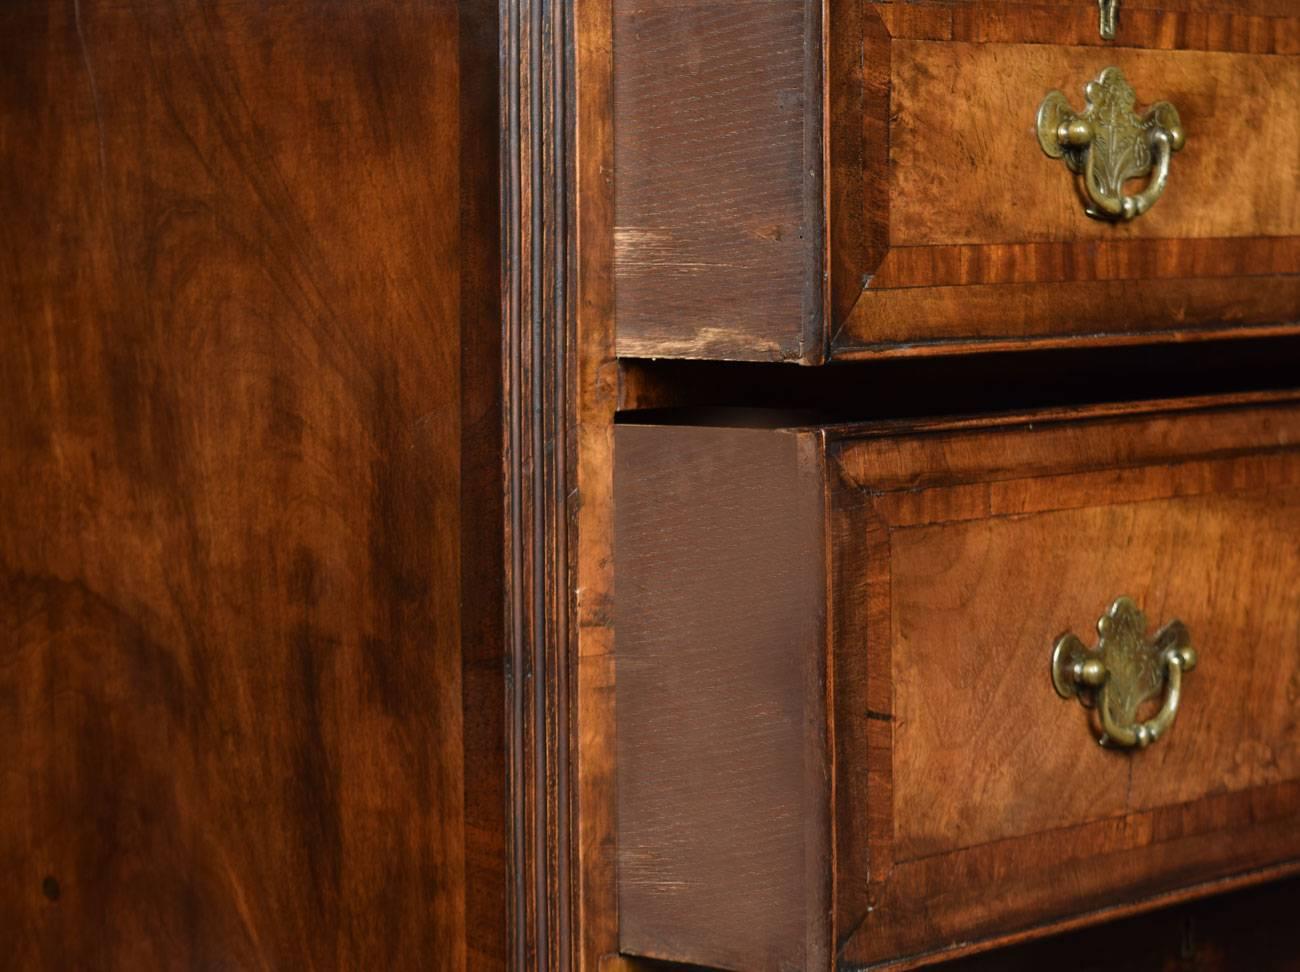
x: 717, y: 196
x: 723, y: 829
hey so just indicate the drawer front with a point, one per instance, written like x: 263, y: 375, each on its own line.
x: 956, y: 226
x: 941, y: 218
x: 960, y: 558
x: 881, y: 747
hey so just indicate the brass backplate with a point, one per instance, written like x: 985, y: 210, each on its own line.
x: 1132, y: 667
x: 1109, y: 144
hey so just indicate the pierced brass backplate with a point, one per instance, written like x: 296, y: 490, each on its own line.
x: 1108, y: 143
x: 1125, y: 671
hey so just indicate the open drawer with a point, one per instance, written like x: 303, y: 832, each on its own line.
x: 839, y: 739
x: 798, y: 180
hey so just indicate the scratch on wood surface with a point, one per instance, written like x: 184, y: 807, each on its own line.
x: 661, y: 251
x: 696, y: 343
x: 94, y: 93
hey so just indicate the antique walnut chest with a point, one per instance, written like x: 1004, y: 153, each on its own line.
x: 649, y: 485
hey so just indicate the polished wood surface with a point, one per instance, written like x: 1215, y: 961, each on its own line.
x: 251, y: 680
x: 1187, y: 513
x: 1226, y: 184
x: 261, y: 707
x: 965, y: 581
x: 970, y: 804
x: 939, y: 222
x: 937, y: 384
x: 595, y: 400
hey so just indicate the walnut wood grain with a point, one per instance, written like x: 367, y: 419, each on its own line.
x: 1184, y: 557
x: 251, y: 689
x: 1235, y: 181
x: 913, y: 322
x: 982, y: 242
x: 595, y: 397
x: 1157, y: 508
x: 972, y: 806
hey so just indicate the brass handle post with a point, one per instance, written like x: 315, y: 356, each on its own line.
x: 1125, y: 671
x: 1108, y: 144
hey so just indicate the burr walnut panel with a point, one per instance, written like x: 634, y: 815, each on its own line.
x: 1180, y: 556
x: 1231, y: 181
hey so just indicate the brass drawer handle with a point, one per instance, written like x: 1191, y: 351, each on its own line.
x: 1109, y: 144
x: 1124, y: 671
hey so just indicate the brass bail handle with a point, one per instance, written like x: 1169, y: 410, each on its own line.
x: 1123, y: 672
x: 1108, y: 143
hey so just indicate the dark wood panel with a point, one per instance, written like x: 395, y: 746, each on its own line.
x: 717, y: 205
x: 250, y: 460
x: 489, y: 868
x: 723, y: 823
